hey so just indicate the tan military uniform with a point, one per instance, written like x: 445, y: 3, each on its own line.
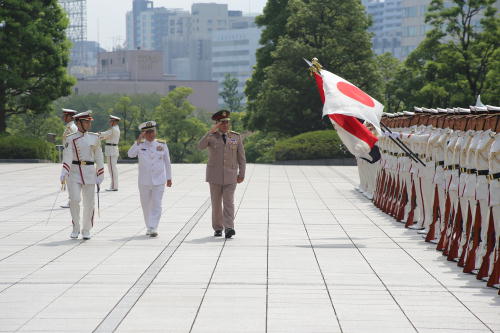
x: 226, y: 161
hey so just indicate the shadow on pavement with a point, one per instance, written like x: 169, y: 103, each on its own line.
x: 204, y: 240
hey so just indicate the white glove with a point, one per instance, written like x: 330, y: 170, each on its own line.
x: 100, y: 179
x: 64, y: 174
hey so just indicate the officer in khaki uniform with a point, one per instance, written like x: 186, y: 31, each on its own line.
x: 225, y: 168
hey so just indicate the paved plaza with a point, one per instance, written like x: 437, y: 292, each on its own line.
x: 310, y: 255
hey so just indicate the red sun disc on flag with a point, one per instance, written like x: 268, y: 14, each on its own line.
x: 355, y: 93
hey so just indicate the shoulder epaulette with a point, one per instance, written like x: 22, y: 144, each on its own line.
x: 71, y: 134
x: 235, y: 132
x: 161, y: 141
x: 93, y: 133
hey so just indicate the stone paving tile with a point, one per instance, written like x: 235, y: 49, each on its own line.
x: 310, y: 255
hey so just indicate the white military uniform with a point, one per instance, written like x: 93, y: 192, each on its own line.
x: 69, y: 129
x: 154, y: 171
x: 111, y: 152
x: 83, y: 162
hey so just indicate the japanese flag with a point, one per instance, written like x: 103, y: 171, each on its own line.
x: 342, y: 97
x: 344, y: 103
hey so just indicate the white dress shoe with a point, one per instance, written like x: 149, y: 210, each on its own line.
x: 65, y: 206
x: 74, y: 234
x: 86, y: 235
x: 153, y: 233
x: 148, y: 232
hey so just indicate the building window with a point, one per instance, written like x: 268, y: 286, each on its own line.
x: 170, y: 88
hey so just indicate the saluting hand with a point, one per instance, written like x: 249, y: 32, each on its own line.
x: 215, y: 128
x: 140, y: 137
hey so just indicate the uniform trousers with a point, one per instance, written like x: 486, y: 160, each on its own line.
x: 77, y: 192
x: 113, y: 172
x: 495, y: 210
x: 419, y: 211
x: 442, y: 210
x: 485, y: 219
x: 222, y: 197
x: 408, y: 183
x: 151, y: 200
x: 427, y: 195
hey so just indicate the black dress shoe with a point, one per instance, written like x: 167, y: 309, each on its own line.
x: 218, y: 233
x: 230, y: 233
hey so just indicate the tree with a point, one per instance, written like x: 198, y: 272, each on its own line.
x: 274, y: 18
x: 335, y: 31
x: 36, y: 125
x: 389, y: 66
x: 177, y: 125
x: 128, y: 113
x: 34, y: 54
x: 457, y: 61
x: 102, y: 105
x: 232, y: 98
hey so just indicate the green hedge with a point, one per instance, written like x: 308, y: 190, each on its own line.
x: 123, y: 149
x: 315, y: 145
x: 259, y: 147
x: 19, y: 147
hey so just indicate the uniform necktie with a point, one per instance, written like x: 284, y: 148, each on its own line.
x: 224, y: 137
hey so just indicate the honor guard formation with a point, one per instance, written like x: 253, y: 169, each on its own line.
x: 440, y: 174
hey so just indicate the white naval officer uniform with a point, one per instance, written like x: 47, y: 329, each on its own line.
x: 83, y: 165
x: 111, y: 152
x: 154, y: 171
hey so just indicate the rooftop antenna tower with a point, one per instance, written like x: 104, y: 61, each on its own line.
x: 77, y: 28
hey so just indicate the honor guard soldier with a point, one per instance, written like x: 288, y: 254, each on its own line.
x: 83, y: 168
x: 155, y: 172
x: 225, y: 168
x: 69, y: 128
x: 111, y: 152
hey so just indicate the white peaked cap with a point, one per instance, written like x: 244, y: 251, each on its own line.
x: 147, y: 125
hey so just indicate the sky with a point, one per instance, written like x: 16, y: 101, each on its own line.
x: 106, y: 18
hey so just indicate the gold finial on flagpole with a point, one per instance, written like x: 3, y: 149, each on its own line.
x: 315, y: 66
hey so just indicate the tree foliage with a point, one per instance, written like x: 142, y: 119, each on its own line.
x: 284, y: 98
x: 133, y: 109
x: 178, y: 126
x: 230, y: 94
x: 458, y: 60
x: 389, y: 66
x: 130, y: 116
x: 34, y: 54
